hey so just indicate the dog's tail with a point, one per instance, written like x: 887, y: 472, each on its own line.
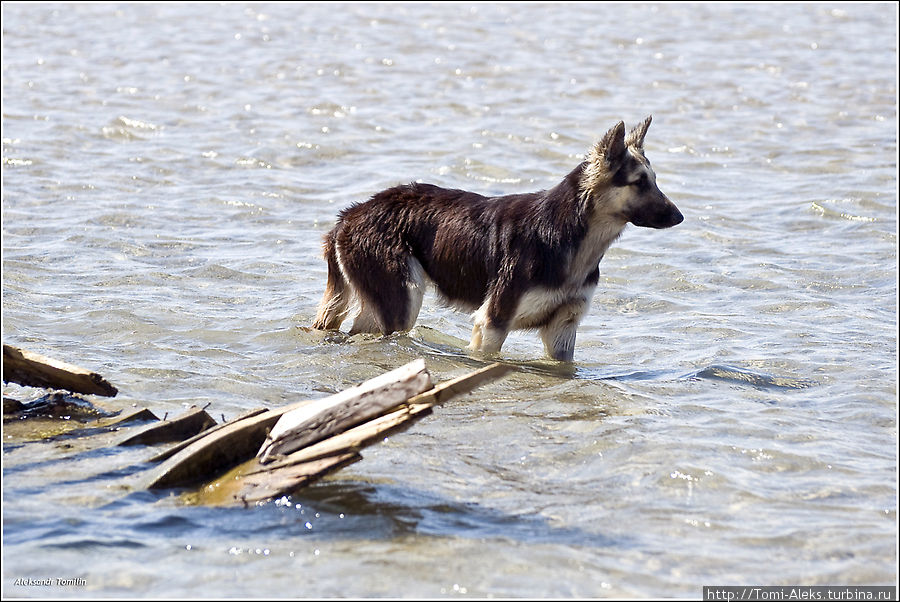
x: 336, y: 300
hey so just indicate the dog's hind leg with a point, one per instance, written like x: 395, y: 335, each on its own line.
x: 366, y: 320
x: 415, y: 287
x: 390, y: 289
x: 335, y: 302
x: 487, y: 339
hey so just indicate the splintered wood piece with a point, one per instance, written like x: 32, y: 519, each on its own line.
x: 224, y: 456
x: 291, y: 472
x: 238, y: 441
x: 34, y: 370
x: 410, y: 411
x: 193, y: 421
x: 332, y: 415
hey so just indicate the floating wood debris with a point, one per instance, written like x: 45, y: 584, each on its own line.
x: 264, y: 458
x: 34, y: 370
x: 242, y: 439
x: 262, y: 454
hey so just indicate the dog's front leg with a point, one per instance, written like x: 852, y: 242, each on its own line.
x: 559, y: 334
x: 559, y: 343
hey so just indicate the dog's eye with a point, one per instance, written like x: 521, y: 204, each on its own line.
x: 642, y: 181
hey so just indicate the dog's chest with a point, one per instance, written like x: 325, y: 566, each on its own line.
x: 539, y: 303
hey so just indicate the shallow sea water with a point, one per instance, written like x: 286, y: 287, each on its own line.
x: 730, y: 417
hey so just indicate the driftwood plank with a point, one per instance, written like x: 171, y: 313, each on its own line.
x: 337, y: 413
x: 260, y: 482
x: 273, y: 484
x: 457, y: 386
x: 195, y: 420
x: 244, y: 485
x: 348, y: 441
x: 35, y: 370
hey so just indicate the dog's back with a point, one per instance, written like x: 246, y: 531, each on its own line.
x: 440, y: 228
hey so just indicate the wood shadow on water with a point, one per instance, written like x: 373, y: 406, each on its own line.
x: 330, y: 511
x: 389, y: 510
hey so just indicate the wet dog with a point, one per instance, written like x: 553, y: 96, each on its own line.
x: 521, y: 261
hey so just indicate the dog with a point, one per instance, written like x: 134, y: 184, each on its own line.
x: 521, y: 261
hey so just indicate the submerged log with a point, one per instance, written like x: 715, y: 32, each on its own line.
x: 34, y: 370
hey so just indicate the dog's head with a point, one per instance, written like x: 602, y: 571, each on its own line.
x: 621, y: 184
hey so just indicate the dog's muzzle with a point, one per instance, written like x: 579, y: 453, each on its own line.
x: 661, y: 214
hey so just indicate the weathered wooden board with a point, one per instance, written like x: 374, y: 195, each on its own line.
x: 269, y: 485
x: 349, y: 441
x: 244, y: 485
x: 409, y: 411
x: 34, y: 370
x: 458, y: 386
x: 209, y: 456
x: 335, y: 414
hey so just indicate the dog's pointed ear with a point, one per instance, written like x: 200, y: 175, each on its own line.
x: 636, y: 136
x: 611, y: 148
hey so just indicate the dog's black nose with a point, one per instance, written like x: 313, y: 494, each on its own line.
x: 677, y: 218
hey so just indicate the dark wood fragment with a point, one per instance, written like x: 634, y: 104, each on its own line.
x: 193, y: 421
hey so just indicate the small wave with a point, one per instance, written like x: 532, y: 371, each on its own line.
x: 739, y: 376
x: 86, y: 544
x: 170, y: 523
x: 837, y: 214
x: 638, y: 375
x: 125, y: 128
